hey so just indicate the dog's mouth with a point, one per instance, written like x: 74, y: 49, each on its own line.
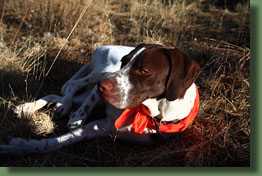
x: 113, y: 99
x: 107, y: 98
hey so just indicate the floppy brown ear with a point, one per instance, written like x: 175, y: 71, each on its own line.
x: 183, y: 72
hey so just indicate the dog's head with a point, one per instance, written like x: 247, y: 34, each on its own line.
x: 149, y: 71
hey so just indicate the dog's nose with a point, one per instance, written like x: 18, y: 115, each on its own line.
x: 105, y: 86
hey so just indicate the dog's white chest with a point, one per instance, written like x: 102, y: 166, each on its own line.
x: 173, y: 110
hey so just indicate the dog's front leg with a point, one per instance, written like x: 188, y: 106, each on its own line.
x: 95, y: 129
x: 78, y: 118
x: 87, y: 82
x: 31, y: 107
x: 86, y: 69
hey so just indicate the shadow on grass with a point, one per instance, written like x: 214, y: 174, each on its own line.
x: 15, y: 84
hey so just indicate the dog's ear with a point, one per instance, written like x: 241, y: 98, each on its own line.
x: 183, y: 72
x: 129, y: 56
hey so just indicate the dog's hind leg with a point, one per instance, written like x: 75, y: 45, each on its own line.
x: 18, y: 146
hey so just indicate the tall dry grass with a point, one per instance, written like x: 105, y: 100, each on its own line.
x: 32, y: 33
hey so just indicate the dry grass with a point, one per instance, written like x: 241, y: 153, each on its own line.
x: 32, y: 32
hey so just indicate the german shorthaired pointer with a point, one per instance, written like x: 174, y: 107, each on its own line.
x: 148, y: 90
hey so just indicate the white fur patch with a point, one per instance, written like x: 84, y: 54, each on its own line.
x: 123, y: 81
x: 173, y: 110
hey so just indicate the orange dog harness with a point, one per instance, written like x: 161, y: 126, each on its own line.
x: 142, y: 119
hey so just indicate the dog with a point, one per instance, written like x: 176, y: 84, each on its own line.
x: 148, y: 91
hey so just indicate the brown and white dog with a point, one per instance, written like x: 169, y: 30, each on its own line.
x: 157, y: 78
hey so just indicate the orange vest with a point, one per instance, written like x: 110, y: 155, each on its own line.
x: 143, y: 120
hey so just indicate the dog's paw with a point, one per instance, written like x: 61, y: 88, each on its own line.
x: 62, y: 109
x: 75, y: 124
x: 76, y: 120
x: 29, y: 108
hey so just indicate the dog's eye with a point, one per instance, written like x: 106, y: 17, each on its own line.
x: 144, y: 71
